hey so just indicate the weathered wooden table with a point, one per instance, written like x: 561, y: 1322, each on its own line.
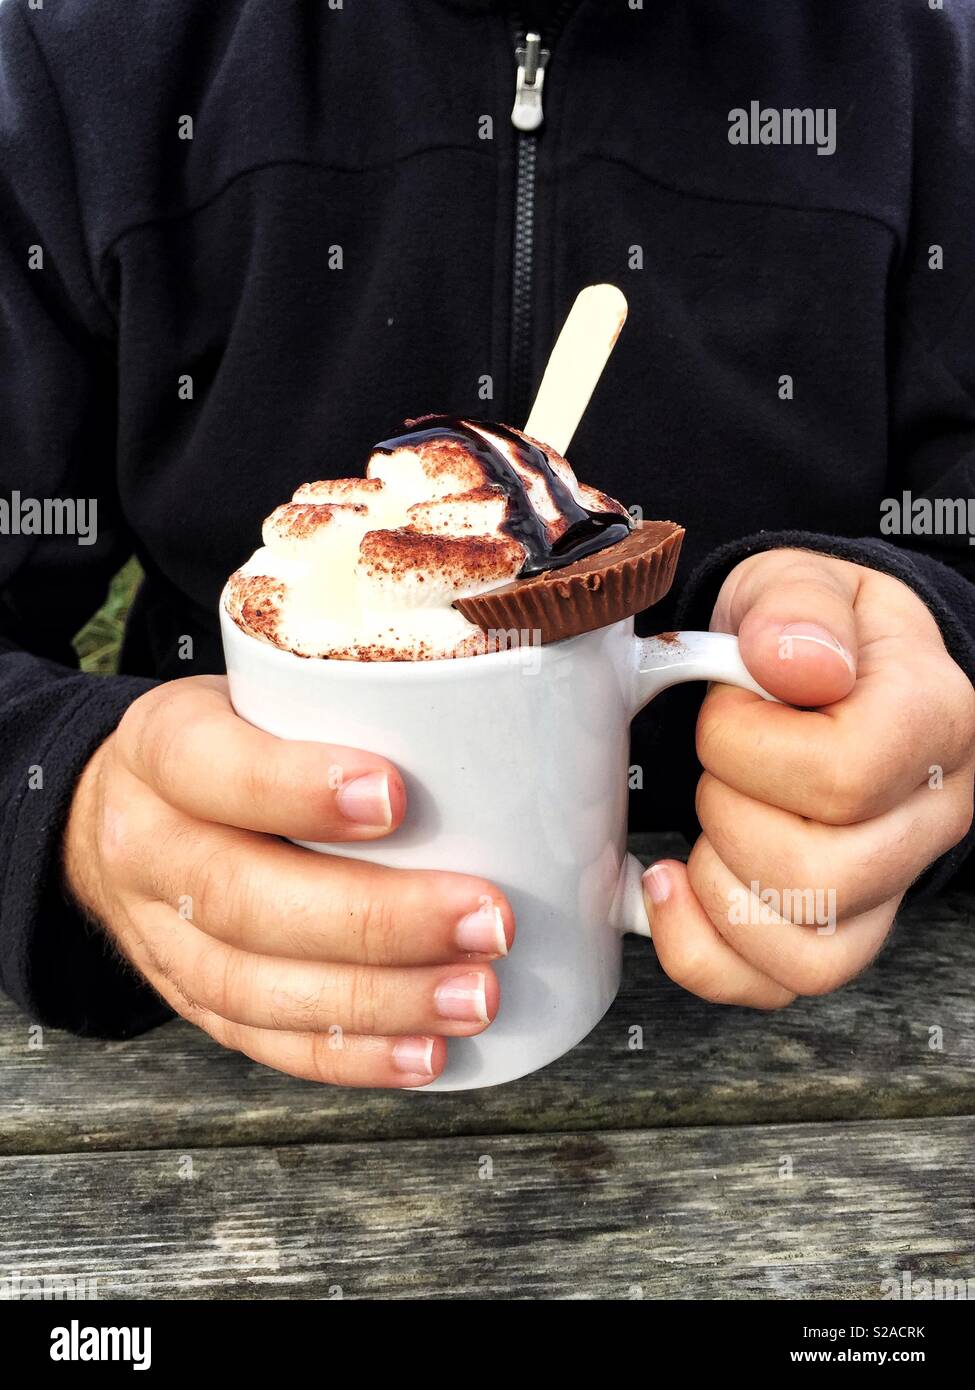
x: 809, y: 1154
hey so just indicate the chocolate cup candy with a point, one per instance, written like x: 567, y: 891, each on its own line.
x: 601, y: 589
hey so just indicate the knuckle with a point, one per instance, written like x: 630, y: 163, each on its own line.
x: 958, y: 821
x: 802, y: 887
x: 324, y: 1058
x: 159, y: 961
x: 327, y: 1062
x: 200, y: 1017
x: 688, y: 965
x: 120, y: 839
x: 295, y: 1008
x: 707, y: 736
x: 159, y: 751
x: 299, y: 935
x: 262, y: 784
x: 227, y: 1034
x: 373, y: 919
x: 131, y: 727
x: 219, y: 980
x: 362, y: 1001
x: 708, y: 803
x: 847, y: 784
x: 132, y: 824
x: 808, y: 889
x: 219, y: 893
x: 969, y: 716
x: 178, y: 992
x: 816, y: 975
x: 221, y: 1030
x: 959, y: 695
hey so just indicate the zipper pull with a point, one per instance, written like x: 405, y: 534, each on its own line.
x: 531, y: 57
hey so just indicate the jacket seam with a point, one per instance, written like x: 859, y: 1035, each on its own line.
x: 176, y: 215
x: 726, y: 200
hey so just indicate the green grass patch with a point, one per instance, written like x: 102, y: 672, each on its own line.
x: 98, y: 642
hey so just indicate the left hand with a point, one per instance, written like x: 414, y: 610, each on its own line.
x: 817, y: 819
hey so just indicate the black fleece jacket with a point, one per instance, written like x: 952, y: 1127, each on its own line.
x: 346, y: 240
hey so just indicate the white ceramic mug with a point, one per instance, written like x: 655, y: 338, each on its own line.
x: 515, y: 766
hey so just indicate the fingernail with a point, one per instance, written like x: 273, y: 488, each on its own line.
x: 821, y: 637
x: 365, y: 800
x: 656, y: 882
x: 462, y: 998
x: 483, y: 931
x: 414, y: 1056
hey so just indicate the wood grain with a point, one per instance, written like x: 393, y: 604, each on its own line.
x: 868, y: 1051
x: 695, y: 1213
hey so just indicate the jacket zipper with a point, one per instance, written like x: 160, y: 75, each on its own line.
x: 527, y: 116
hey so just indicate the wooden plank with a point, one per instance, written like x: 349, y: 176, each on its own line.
x: 694, y: 1213
x: 864, y: 1052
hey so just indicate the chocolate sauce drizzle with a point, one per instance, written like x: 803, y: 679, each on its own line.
x: 586, y: 531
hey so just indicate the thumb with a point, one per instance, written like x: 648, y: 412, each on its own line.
x: 796, y: 627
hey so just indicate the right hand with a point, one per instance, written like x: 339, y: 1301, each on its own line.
x: 328, y: 968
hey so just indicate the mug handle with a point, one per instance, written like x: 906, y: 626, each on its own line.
x: 659, y: 663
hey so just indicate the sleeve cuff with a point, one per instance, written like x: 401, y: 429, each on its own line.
x: 949, y: 596
x: 59, y: 967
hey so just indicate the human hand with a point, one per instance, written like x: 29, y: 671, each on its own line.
x: 329, y: 968
x: 815, y: 820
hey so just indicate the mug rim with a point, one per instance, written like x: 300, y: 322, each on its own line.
x: 399, y: 670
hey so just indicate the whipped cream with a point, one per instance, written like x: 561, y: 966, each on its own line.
x: 368, y: 569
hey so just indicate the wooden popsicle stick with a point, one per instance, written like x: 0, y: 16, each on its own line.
x: 576, y: 364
